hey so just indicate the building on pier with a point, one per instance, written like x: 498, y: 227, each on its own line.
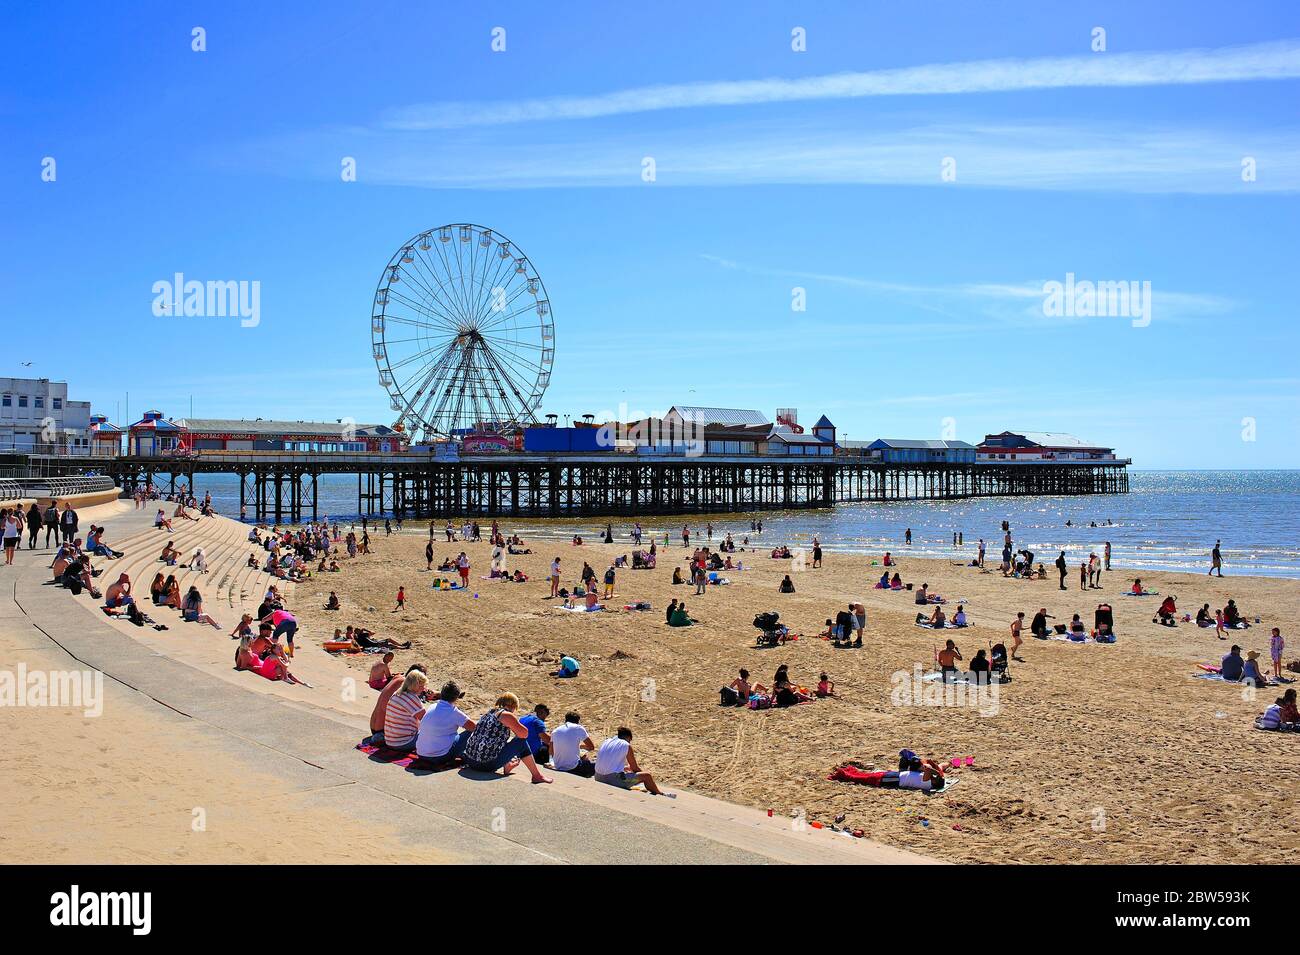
x: 912, y: 451
x: 155, y: 434
x: 1040, y: 447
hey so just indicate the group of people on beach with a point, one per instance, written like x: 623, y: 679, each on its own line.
x: 410, y: 717
x: 782, y: 692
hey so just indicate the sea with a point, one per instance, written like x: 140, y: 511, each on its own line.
x: 1169, y: 520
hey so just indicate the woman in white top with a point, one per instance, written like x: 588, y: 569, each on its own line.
x: 13, y: 529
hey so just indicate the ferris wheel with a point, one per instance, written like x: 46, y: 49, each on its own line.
x: 462, y: 333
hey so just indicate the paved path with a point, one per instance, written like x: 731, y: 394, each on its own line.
x: 305, y: 741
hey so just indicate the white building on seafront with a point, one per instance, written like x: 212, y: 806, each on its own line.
x: 36, y: 417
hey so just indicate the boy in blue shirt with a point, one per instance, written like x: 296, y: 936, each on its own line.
x: 539, y: 741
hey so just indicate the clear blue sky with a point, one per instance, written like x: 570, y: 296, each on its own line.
x: 923, y: 296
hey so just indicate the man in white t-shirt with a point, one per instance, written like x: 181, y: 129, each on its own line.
x: 616, y: 764
x: 444, y: 729
x: 567, y: 743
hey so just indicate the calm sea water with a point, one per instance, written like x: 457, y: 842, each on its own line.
x: 1168, y: 521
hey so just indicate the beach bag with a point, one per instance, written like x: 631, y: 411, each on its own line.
x: 729, y: 697
x: 760, y: 702
x: 908, y: 761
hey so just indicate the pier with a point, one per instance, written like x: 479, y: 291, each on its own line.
x: 281, y: 486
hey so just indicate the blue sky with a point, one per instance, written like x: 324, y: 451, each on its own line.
x: 775, y: 169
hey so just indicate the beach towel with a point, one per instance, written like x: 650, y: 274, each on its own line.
x: 963, y: 679
x: 382, y: 754
x: 1065, y: 638
x: 1145, y: 593
x: 581, y: 609
x: 948, y: 625
x: 1218, y: 677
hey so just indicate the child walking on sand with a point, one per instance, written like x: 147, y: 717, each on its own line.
x: 401, y: 599
x: 1275, y: 647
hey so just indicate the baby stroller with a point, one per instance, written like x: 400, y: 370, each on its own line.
x: 998, y: 664
x: 771, y: 633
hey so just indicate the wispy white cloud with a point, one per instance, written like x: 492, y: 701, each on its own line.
x: 1014, y: 303
x: 1260, y: 61
x: 1114, y: 157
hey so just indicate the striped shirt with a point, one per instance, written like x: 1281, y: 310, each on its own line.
x: 400, y: 722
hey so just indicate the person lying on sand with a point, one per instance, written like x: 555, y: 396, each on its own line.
x: 365, y: 639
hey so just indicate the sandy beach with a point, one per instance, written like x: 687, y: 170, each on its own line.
x: 1094, y: 753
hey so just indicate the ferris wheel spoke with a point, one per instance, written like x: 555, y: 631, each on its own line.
x: 429, y: 378
x: 410, y: 359
x: 509, y: 343
x: 415, y: 323
x: 452, y: 292
x: 438, y: 299
x: 426, y: 310
x: 507, y: 316
x: 506, y: 304
x: 517, y: 361
x: 448, y: 309
x: 507, y: 266
x: 500, y: 362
